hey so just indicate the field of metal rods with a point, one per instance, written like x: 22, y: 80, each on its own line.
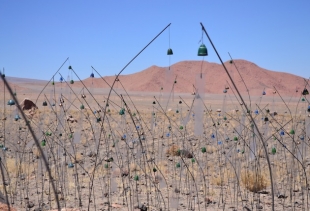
x: 76, y: 149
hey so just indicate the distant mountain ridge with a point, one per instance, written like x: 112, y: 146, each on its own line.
x: 154, y: 78
x: 256, y: 78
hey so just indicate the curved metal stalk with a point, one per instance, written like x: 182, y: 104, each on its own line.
x: 246, y: 107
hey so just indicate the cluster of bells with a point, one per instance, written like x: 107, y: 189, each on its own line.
x: 202, y: 51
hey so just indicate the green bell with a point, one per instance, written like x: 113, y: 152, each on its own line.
x: 82, y: 107
x: 154, y: 169
x: 273, y: 150
x: 72, y: 82
x: 203, y: 149
x: 202, y: 51
x: 292, y: 132
x: 44, y: 103
x: 169, y: 52
x: 305, y: 92
x: 193, y: 160
x: 178, y: 165
x: 43, y: 143
x: 181, y: 127
x: 235, y: 138
x: 106, y: 165
x: 136, y: 178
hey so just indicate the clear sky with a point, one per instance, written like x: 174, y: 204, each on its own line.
x: 36, y: 36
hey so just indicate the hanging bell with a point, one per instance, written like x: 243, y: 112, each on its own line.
x: 225, y: 91
x: 72, y: 82
x: 3, y: 75
x: 169, y: 52
x: 203, y: 149
x: 308, y: 108
x: 264, y: 93
x: 202, y: 51
x: 61, y: 79
x: 82, y: 107
x: 136, y: 178
x: 92, y: 75
x: 44, y: 103
x: 11, y: 102
x: 178, y: 165
x: 273, y: 150
x: 43, y: 143
x: 305, y: 92
x: 70, y: 165
x: 70, y: 68
x: 292, y: 132
x: 266, y: 119
x: 17, y: 117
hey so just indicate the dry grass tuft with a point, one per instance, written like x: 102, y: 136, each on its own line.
x: 254, y: 181
x: 173, y: 150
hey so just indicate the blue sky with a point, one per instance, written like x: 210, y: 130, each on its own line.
x: 36, y: 36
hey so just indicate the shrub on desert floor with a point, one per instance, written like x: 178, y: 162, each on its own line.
x: 173, y: 150
x: 254, y: 181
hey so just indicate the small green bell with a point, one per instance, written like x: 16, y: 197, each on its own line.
x: 273, y: 150
x: 154, y: 169
x: 193, y: 160
x: 72, y: 82
x: 181, y: 127
x: 136, y: 178
x: 82, y: 107
x: 178, y: 165
x: 202, y: 51
x: 169, y: 52
x: 235, y: 138
x: 203, y: 149
x: 43, y: 143
x: 106, y: 165
x: 292, y: 132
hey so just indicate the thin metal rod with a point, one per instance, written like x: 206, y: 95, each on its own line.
x: 36, y: 141
x: 260, y: 135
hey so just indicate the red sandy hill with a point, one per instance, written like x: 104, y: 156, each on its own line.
x: 256, y: 78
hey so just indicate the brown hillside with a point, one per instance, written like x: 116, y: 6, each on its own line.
x: 256, y: 78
